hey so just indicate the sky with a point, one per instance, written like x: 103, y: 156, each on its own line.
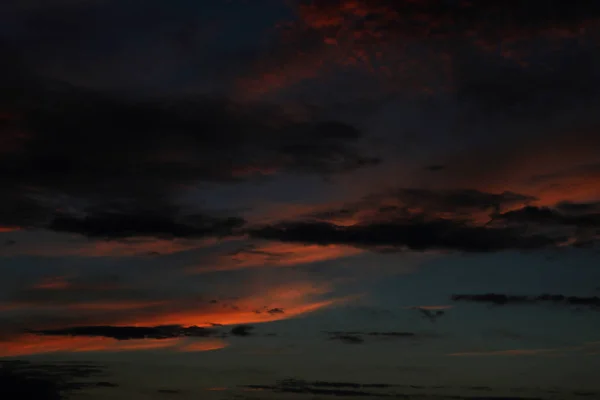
x: 299, y: 199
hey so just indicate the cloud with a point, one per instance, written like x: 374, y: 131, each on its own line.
x: 430, y: 314
x: 37, y: 381
x: 320, y: 388
x: 462, y: 220
x: 74, y: 170
x: 552, y: 216
x: 422, y: 19
x: 411, y: 234
x: 512, y: 352
x: 61, y: 342
x: 55, y: 244
x: 401, y: 203
x: 374, y: 390
x: 242, y: 330
x: 347, y: 338
x: 272, y: 255
x: 108, y: 300
x: 116, y: 225
x: 359, y: 337
x: 551, y: 299
x: 379, y: 38
x: 203, y: 345
x: 80, y: 316
x: 131, y: 332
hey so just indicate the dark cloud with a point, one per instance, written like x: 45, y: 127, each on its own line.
x: 404, y: 202
x: 578, y: 208
x: 317, y: 388
x: 108, y: 165
x: 158, y: 223
x: 551, y: 299
x: 567, y: 214
x: 346, y: 338
x: 276, y: 311
x: 458, y: 200
x: 168, y: 391
x: 559, y: 82
x: 491, y: 65
x: 358, y: 337
x: 131, y: 332
x: 584, y: 393
x: 393, y: 334
x: 412, y: 234
x: 460, y: 220
x: 433, y: 20
x: 106, y: 384
x: 242, y: 330
x: 20, y: 380
x: 431, y: 315
x: 356, y: 389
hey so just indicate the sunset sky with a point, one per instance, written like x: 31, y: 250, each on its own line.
x: 298, y: 199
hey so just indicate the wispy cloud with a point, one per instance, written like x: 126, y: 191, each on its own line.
x: 497, y: 299
x: 551, y: 352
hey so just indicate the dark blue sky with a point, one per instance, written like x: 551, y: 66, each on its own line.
x: 370, y: 198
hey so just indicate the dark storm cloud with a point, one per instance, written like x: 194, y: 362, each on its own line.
x: 113, y: 166
x: 131, y: 332
x: 412, y: 234
x: 551, y: 299
x: 20, y: 380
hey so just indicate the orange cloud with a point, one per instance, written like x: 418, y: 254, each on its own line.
x: 267, y: 303
x: 293, y: 300
x: 116, y: 305
x: 33, y: 344
x: 234, y: 315
x: 53, y: 283
x: 275, y: 255
x: 28, y: 344
x: 557, y: 166
x: 203, y: 345
x: 378, y: 36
